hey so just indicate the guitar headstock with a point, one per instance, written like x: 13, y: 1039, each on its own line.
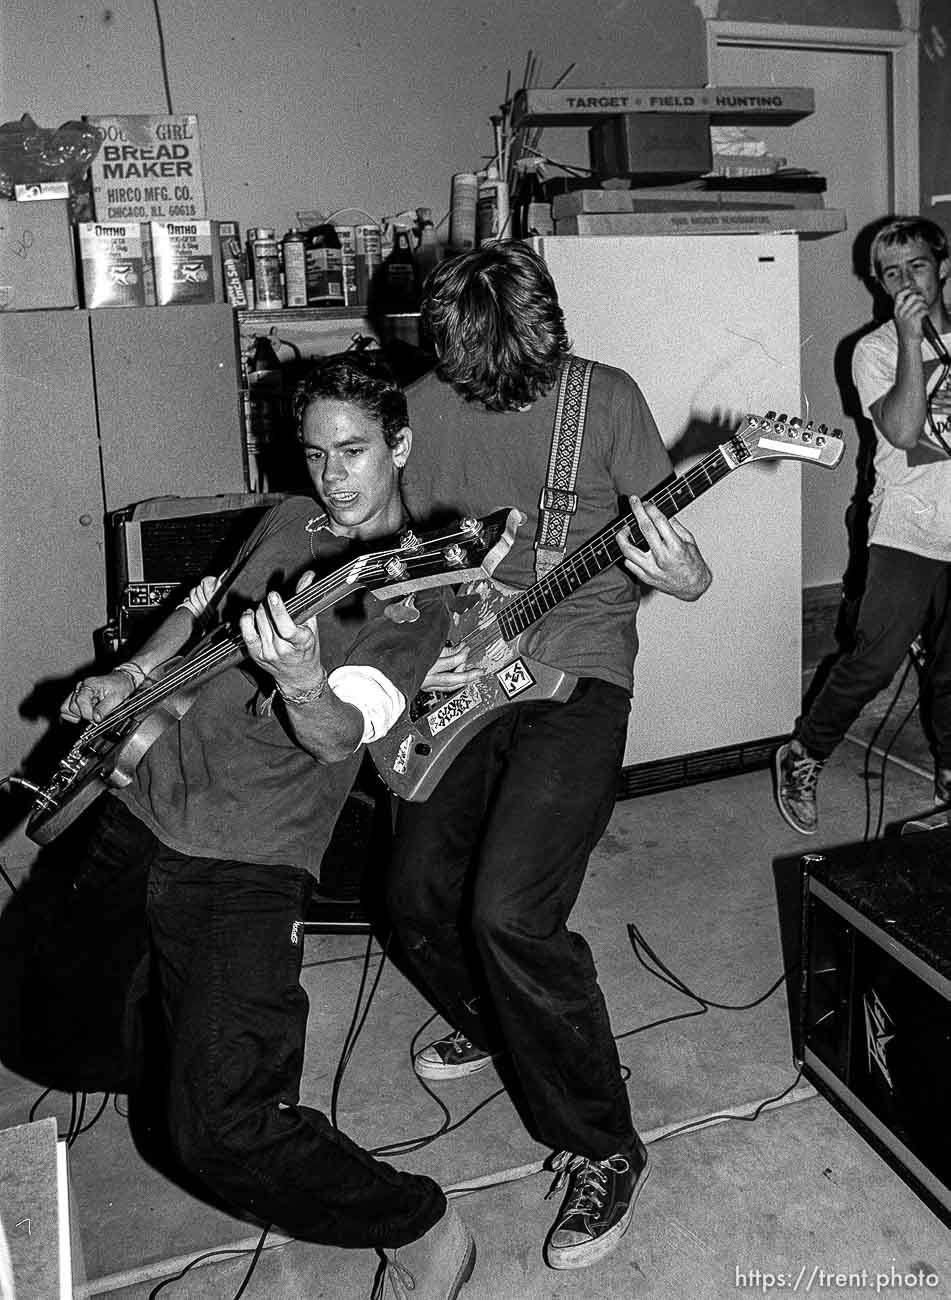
x: 469, y: 549
x: 778, y: 437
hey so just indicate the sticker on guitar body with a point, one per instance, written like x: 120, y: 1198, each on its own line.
x: 514, y: 678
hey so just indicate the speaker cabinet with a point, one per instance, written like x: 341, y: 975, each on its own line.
x: 875, y: 1000
x: 161, y: 548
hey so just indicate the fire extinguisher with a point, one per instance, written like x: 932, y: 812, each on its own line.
x: 265, y: 422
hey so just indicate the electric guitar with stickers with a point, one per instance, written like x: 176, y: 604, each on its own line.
x: 413, y: 756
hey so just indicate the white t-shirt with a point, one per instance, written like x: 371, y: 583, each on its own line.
x: 911, y: 500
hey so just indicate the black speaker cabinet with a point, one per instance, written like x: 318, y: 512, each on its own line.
x: 161, y: 548
x: 875, y: 1004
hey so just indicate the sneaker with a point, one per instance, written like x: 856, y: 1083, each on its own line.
x: 434, y: 1267
x: 598, y: 1206
x: 942, y: 787
x: 797, y: 776
x: 451, y: 1057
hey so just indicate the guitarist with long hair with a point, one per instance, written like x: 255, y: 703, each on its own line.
x: 228, y: 814
x: 487, y: 869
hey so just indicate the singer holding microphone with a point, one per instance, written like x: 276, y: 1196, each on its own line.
x: 901, y: 371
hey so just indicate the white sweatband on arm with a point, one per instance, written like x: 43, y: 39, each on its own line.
x: 370, y: 691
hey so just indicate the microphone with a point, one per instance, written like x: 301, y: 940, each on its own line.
x: 934, y: 338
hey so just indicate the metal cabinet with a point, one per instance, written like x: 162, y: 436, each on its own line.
x: 98, y: 410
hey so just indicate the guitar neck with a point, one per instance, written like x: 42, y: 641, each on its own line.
x: 472, y: 547
x: 602, y: 550
x: 222, y: 648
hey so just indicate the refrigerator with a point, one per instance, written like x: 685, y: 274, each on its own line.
x: 708, y: 325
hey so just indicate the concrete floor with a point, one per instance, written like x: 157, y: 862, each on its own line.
x: 740, y: 1206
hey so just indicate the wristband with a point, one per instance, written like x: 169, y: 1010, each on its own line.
x: 135, y: 672
x: 303, y: 697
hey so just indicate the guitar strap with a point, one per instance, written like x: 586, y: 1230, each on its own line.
x: 558, y: 500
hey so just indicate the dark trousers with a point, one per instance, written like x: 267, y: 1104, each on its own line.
x: 905, y: 594
x: 225, y: 950
x: 483, y: 879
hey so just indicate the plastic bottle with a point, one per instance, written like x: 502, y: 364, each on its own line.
x: 427, y: 245
x: 531, y: 210
x: 401, y: 282
x: 324, y: 261
x: 265, y: 412
x: 492, y: 209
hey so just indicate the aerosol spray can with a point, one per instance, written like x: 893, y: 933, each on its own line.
x: 462, y: 212
x: 295, y: 268
x: 368, y: 254
x: 266, y: 268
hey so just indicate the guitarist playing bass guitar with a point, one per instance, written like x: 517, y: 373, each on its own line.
x: 486, y: 870
x: 229, y: 811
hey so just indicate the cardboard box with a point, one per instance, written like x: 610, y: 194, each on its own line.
x: 116, y: 264
x: 660, y: 198
x: 651, y: 144
x: 186, y: 261
x: 570, y: 106
x: 37, y: 260
x: 725, y: 221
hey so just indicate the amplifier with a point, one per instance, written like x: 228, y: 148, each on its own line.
x: 160, y: 548
x: 875, y: 1004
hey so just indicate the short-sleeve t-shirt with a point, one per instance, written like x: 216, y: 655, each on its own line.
x: 470, y: 461
x: 911, y: 499
x: 228, y: 780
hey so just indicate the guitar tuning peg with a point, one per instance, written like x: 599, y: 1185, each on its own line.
x: 823, y: 428
x: 782, y: 418
x: 771, y: 415
x: 796, y: 422
x: 837, y: 433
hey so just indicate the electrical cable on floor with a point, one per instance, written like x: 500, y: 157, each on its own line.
x: 256, y: 1252
x: 77, y: 1125
x: 869, y: 748
x: 922, y: 659
x: 357, y: 1021
x: 181, y: 1265
x: 666, y: 976
x: 173, y: 1270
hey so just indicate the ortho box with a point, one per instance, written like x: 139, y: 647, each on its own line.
x: 37, y: 260
x: 116, y: 260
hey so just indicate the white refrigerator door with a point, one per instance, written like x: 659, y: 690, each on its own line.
x: 709, y: 328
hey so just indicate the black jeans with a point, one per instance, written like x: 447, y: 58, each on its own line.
x: 483, y: 879
x: 225, y: 950
x: 904, y: 595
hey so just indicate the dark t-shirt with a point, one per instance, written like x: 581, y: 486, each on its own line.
x: 467, y: 460
x: 228, y: 780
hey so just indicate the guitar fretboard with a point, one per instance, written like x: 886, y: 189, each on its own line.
x: 602, y: 550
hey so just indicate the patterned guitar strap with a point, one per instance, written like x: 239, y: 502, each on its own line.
x: 558, y: 500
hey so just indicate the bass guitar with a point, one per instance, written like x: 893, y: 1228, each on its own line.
x: 108, y: 752
x: 413, y: 756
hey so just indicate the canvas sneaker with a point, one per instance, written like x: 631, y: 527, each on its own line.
x: 598, y: 1206
x: 797, y: 776
x: 451, y: 1057
x: 436, y: 1267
